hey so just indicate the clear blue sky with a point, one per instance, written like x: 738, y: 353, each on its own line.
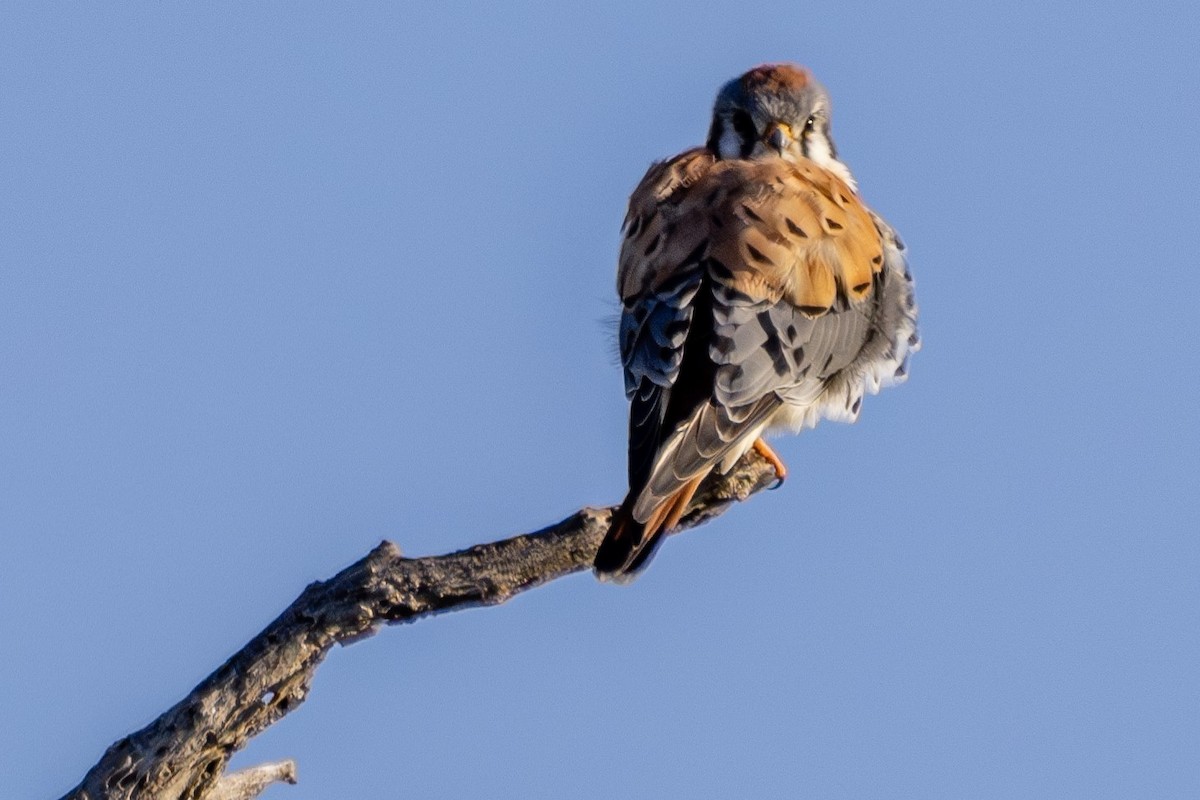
x: 278, y: 283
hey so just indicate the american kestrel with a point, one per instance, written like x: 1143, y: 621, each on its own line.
x: 759, y: 294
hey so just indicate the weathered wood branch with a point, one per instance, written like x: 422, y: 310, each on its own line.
x: 183, y: 754
x: 247, y: 784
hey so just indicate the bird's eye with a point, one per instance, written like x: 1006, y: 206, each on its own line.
x: 810, y: 124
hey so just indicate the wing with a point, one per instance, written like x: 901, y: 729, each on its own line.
x: 659, y: 273
x: 747, y: 287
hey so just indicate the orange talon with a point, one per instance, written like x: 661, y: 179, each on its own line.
x: 764, y: 450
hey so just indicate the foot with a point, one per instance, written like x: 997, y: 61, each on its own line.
x: 764, y: 450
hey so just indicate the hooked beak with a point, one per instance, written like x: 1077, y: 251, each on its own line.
x: 778, y: 136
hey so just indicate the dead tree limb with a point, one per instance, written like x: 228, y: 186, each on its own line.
x: 183, y: 754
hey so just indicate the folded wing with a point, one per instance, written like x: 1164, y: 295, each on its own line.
x: 747, y: 289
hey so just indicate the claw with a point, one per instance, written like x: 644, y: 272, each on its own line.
x: 764, y: 450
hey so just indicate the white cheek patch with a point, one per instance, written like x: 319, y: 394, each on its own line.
x: 818, y: 149
x: 730, y: 145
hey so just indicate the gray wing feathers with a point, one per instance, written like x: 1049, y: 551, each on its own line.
x: 653, y: 331
x: 767, y: 355
x: 698, y: 444
x: 764, y: 347
x: 890, y: 340
x: 652, y: 334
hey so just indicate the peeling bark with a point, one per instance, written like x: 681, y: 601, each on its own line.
x: 183, y: 754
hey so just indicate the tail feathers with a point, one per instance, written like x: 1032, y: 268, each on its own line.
x: 629, y: 545
x: 626, y: 538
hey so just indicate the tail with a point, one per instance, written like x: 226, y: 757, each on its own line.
x: 629, y: 544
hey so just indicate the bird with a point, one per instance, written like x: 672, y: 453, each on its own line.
x: 759, y: 294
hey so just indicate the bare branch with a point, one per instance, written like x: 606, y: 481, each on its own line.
x: 183, y: 754
x: 248, y: 784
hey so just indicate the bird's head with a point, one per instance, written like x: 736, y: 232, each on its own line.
x: 775, y: 111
